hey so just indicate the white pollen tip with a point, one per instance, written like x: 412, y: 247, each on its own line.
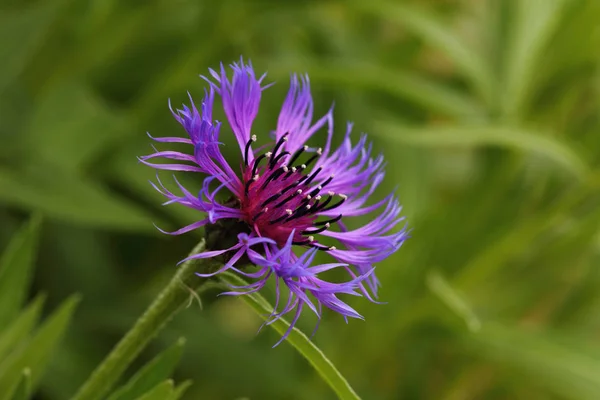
x: 308, y: 206
x: 332, y: 248
x: 303, y: 166
x: 293, y: 169
x: 289, y: 212
x: 319, y: 187
x: 299, y: 191
x: 331, y: 193
x: 285, y: 138
x: 311, y: 238
x: 253, y: 138
x: 308, y: 197
x: 319, y: 151
x: 343, y: 196
x: 255, y: 177
x: 285, y: 169
x: 318, y: 197
x: 268, y: 154
x: 327, y: 225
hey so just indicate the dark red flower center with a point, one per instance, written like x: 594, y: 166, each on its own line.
x: 280, y: 197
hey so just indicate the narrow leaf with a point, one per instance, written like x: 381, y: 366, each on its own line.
x: 180, y: 390
x: 536, y: 22
x: 23, y: 390
x: 160, y: 392
x: 403, y: 84
x: 21, y: 33
x: 299, y: 341
x: 455, y: 302
x: 62, y: 194
x: 435, y: 34
x: 36, y: 353
x: 473, y: 136
x: 569, y: 370
x: 15, y: 270
x: 156, y: 371
x: 73, y: 139
x: 19, y: 330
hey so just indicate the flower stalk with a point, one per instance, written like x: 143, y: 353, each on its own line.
x: 168, y: 302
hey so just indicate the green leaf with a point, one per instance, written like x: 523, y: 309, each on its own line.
x: 569, y: 370
x: 536, y: 22
x: 36, y: 353
x: 435, y: 34
x: 180, y: 390
x: 19, y: 330
x: 23, y: 390
x: 403, y: 84
x: 473, y: 136
x: 299, y: 341
x: 74, y: 138
x: 157, y: 370
x: 160, y: 392
x: 21, y: 33
x: 15, y: 270
x: 64, y: 195
x: 455, y: 301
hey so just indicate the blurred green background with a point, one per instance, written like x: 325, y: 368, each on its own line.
x: 487, y: 112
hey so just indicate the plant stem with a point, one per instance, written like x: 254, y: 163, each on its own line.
x: 169, y: 301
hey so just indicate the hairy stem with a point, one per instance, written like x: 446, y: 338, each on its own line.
x: 168, y: 302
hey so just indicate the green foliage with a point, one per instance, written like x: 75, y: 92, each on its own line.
x: 23, y: 391
x: 487, y: 113
x: 35, y: 352
x: 160, y: 368
x: 16, y: 265
x: 299, y: 340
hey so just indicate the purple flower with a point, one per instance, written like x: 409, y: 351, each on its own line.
x: 289, y: 199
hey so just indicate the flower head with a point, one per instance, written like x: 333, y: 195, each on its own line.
x: 287, y: 200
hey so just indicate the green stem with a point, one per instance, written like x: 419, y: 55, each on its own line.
x: 163, y: 308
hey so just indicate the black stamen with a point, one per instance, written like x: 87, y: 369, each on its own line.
x: 313, y: 176
x: 339, y: 203
x: 275, y: 160
x: 327, y: 201
x: 279, y: 144
x: 290, y: 172
x: 247, y: 187
x: 297, y: 154
x: 327, y: 181
x: 321, y: 229
x: 301, y: 211
x: 270, y: 199
x: 302, y: 243
x: 291, y: 196
x: 329, y: 221
x: 273, y: 176
x: 293, y: 185
x: 252, y: 139
x: 284, y: 216
x: 258, y: 214
x: 320, y: 247
x: 316, y: 191
x: 310, y: 160
x: 257, y: 162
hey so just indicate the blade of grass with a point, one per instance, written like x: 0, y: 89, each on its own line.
x: 15, y: 270
x: 473, y: 136
x: 435, y: 34
x: 536, y: 22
